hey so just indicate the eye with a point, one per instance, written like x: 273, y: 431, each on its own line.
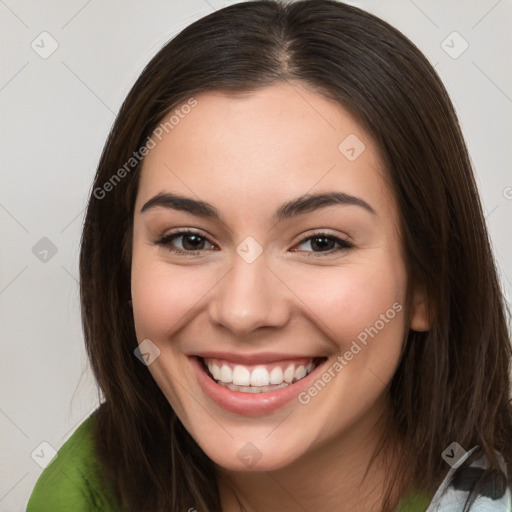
x: 326, y: 243
x: 192, y: 242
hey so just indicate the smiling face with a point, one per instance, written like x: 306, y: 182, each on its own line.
x: 263, y: 293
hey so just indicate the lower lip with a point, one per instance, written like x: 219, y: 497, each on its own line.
x: 251, y: 404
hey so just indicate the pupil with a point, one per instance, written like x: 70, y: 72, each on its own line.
x: 325, y: 243
x: 187, y: 238
x: 324, y: 240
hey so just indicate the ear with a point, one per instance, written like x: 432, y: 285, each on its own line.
x: 420, y: 320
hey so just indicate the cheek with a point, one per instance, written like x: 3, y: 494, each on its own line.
x: 360, y: 308
x: 164, y: 295
x: 347, y: 299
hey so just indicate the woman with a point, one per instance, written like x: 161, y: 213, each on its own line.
x: 289, y: 298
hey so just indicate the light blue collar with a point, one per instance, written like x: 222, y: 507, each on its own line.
x: 449, y: 498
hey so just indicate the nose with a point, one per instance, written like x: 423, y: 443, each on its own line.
x: 249, y: 296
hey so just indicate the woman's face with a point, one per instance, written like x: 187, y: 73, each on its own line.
x: 272, y: 284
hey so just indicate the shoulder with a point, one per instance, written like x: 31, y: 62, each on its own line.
x: 72, y: 480
x: 419, y: 502
x: 414, y: 502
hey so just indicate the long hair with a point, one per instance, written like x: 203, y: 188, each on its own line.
x: 452, y: 382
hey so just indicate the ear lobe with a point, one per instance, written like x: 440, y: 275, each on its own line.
x: 420, y: 320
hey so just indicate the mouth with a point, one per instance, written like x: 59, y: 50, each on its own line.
x: 259, y: 378
x: 255, y: 385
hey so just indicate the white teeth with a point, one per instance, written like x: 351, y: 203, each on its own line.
x: 241, y: 376
x: 214, y: 370
x: 226, y: 374
x: 289, y: 373
x: 276, y: 375
x: 259, y: 377
x: 300, y: 372
x: 251, y: 389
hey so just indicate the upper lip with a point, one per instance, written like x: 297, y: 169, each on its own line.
x: 259, y: 358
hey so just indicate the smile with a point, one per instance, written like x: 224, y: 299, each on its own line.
x: 253, y: 386
x: 259, y: 378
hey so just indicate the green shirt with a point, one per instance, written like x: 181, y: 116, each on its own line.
x: 72, y: 481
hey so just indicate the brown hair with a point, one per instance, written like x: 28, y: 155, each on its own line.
x: 452, y: 383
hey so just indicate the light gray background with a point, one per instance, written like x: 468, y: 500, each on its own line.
x: 56, y: 113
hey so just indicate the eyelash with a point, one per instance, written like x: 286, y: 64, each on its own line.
x: 166, y: 241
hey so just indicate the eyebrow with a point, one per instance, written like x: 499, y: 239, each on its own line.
x: 297, y: 206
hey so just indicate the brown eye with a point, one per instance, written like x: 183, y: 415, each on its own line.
x: 324, y: 243
x: 191, y: 241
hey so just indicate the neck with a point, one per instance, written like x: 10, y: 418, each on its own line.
x: 332, y: 477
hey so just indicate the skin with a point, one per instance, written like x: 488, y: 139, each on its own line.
x: 247, y: 156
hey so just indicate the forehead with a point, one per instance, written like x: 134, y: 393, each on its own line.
x: 281, y: 141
